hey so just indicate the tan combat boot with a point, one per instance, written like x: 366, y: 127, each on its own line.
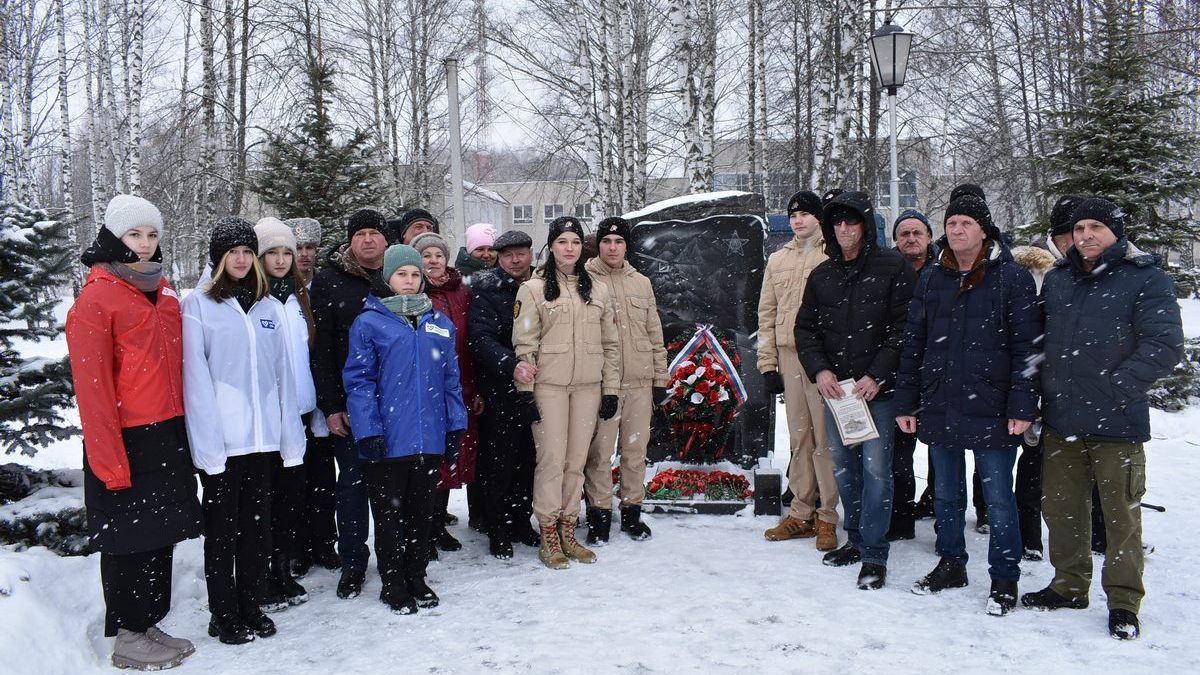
x: 550, y: 552
x: 571, y: 545
x: 791, y: 528
x: 826, y: 536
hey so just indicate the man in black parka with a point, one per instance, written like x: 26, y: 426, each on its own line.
x: 506, y: 453
x: 851, y: 326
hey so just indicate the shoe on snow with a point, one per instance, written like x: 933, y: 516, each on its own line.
x: 449, y: 518
x: 260, y: 623
x: 230, y: 631
x: 871, y: 577
x: 599, y: 523
x: 948, y: 574
x: 1032, y: 554
x: 184, y: 646
x: 329, y: 559
x: 631, y: 523
x: 446, y: 541
x: 422, y: 593
x: 350, y: 585
x: 1048, y: 599
x: 841, y: 557
x: 500, y: 547
x: 528, y: 536
x: 398, y: 599
x: 137, y: 651
x: 1123, y: 625
x: 1003, y: 597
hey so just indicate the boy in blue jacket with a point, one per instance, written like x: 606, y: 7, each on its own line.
x: 406, y: 410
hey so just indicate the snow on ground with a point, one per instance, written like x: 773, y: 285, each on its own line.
x: 707, y: 594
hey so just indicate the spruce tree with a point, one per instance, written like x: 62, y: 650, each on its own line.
x: 36, y: 265
x: 307, y: 173
x: 1124, y: 142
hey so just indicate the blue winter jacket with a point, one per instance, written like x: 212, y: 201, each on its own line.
x: 969, y: 360
x: 1110, y: 334
x: 402, y: 383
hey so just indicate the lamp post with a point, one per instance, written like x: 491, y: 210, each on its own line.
x: 889, y: 59
x: 457, y: 197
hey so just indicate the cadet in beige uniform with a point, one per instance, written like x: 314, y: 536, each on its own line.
x: 643, y: 385
x: 810, y: 472
x: 564, y: 328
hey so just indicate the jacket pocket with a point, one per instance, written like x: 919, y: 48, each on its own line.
x: 639, y: 311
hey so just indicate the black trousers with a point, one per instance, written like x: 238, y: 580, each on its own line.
x: 1028, y: 491
x: 403, y: 505
x: 505, y: 469
x: 316, y: 525
x: 903, y: 477
x: 287, y: 501
x: 237, y: 518
x: 137, y: 589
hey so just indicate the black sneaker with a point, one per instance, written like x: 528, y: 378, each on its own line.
x: 350, y: 585
x: 422, y: 593
x: 230, y: 632
x: 1048, y: 599
x: 871, y: 577
x: 398, y: 599
x: 840, y: 557
x: 949, y: 573
x: 260, y: 623
x: 599, y: 525
x: 1003, y: 597
x: 1123, y: 625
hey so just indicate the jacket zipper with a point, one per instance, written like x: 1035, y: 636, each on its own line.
x: 254, y: 401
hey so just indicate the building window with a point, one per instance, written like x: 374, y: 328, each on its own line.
x: 583, y: 212
x: 522, y: 214
x: 551, y: 211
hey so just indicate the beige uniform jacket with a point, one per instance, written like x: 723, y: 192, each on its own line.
x: 572, y: 343
x: 782, y: 290
x: 643, y: 355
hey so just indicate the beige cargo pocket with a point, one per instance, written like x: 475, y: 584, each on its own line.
x: 1137, y: 475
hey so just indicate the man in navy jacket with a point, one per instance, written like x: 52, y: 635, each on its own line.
x: 1112, y: 330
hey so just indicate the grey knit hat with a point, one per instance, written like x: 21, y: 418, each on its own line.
x: 428, y: 239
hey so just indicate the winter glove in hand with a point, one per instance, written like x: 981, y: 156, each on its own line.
x: 453, y: 444
x: 608, y: 406
x: 373, y: 448
x: 658, y: 395
x: 527, y: 410
x: 774, y: 382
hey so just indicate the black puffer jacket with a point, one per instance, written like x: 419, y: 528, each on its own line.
x: 491, y: 323
x: 851, y: 320
x: 337, y: 296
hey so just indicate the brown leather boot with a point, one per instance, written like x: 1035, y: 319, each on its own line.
x: 827, y: 539
x: 571, y: 545
x: 791, y: 528
x: 550, y: 552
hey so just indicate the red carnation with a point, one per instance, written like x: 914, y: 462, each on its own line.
x: 713, y: 397
x: 703, y: 386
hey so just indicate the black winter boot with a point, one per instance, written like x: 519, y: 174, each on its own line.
x: 444, y: 540
x: 422, y: 593
x: 328, y: 558
x: 871, y: 577
x: 281, y: 570
x: 500, y: 542
x: 631, y: 522
x: 1123, y: 625
x: 260, y: 623
x: 398, y: 599
x: 1003, y: 597
x: 526, y: 534
x: 351, y: 583
x: 1048, y: 599
x: 841, y: 557
x: 599, y: 524
x: 949, y: 573
x: 301, y: 565
x: 230, y: 631
x: 273, y: 600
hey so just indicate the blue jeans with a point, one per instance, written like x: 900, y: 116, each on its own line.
x: 353, y: 510
x: 995, y: 467
x: 864, y: 478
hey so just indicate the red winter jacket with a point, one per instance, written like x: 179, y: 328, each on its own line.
x: 127, y: 364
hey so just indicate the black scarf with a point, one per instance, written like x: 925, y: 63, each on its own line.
x: 108, y: 248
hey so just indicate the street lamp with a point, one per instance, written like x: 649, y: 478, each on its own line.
x: 889, y: 59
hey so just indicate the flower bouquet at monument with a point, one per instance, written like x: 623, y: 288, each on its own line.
x: 705, y: 392
x: 674, y: 484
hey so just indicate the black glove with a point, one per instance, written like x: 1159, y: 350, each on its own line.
x: 527, y: 410
x: 774, y: 382
x: 373, y: 448
x: 453, y: 444
x: 608, y: 406
x: 660, y: 396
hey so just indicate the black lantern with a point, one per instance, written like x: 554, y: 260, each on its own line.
x: 889, y: 55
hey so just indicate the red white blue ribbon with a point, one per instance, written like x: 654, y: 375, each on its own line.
x: 704, y: 337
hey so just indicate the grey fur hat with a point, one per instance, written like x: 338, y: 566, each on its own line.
x: 307, y: 230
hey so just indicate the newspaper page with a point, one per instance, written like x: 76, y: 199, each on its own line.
x: 854, y: 421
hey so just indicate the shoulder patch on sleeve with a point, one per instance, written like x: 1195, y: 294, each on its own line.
x: 516, y: 309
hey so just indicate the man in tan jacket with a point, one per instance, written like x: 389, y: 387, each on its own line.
x: 643, y: 386
x: 810, y: 473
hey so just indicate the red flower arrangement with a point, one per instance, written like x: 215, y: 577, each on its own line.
x: 702, y: 400
x: 690, y: 483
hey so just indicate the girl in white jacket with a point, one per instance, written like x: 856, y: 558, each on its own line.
x: 240, y: 410
x: 277, y: 253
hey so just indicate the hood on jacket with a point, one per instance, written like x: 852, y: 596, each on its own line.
x: 467, y: 264
x: 1123, y: 250
x: 598, y: 266
x: 860, y: 204
x: 1033, y: 258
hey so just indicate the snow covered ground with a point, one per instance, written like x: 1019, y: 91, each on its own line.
x: 708, y: 594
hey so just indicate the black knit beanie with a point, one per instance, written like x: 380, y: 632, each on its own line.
x: 229, y: 233
x: 563, y: 224
x: 830, y: 196
x: 911, y: 214
x: 613, y: 225
x: 968, y: 189
x: 805, y: 201
x: 363, y: 219
x: 968, y: 204
x: 1098, y: 208
x: 1060, y: 215
x: 412, y: 216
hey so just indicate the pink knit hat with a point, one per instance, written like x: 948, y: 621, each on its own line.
x: 480, y: 234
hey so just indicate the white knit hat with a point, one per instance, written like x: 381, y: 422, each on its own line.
x: 308, y: 230
x: 126, y: 212
x: 273, y: 233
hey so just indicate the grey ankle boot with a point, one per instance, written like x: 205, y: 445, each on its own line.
x: 138, y: 652
x: 184, y: 646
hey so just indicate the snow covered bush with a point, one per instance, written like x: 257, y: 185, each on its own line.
x: 1182, y: 387
x: 43, y: 508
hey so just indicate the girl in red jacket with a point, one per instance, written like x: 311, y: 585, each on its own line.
x: 124, y: 335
